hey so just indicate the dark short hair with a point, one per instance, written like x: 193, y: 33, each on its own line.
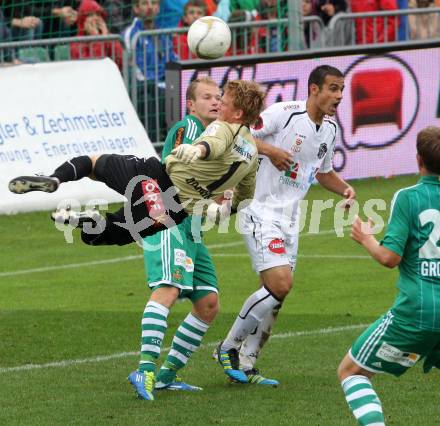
x: 428, y: 148
x: 317, y: 76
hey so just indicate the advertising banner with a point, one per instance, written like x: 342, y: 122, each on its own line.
x: 52, y: 112
x: 388, y: 98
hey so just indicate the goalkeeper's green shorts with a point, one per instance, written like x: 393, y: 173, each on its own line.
x: 173, y: 258
x: 393, y: 345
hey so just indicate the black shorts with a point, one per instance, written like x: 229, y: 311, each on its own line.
x: 152, y: 206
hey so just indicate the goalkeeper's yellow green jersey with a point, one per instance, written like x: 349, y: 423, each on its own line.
x: 231, y: 162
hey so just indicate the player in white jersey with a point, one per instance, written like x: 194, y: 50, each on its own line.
x: 270, y: 222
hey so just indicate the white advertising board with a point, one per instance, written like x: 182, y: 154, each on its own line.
x: 52, y: 112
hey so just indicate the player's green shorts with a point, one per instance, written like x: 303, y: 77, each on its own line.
x: 391, y: 345
x: 173, y: 258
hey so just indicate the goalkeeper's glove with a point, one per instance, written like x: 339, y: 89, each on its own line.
x: 187, y: 153
x: 217, y: 212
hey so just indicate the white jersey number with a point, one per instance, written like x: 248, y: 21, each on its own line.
x: 430, y: 250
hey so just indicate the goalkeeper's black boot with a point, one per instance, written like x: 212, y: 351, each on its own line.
x: 23, y: 184
x: 78, y: 219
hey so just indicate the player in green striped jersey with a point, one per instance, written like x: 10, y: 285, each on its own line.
x: 410, y: 330
x: 179, y: 267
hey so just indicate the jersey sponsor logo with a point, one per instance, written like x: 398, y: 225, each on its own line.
x: 277, y: 246
x: 181, y: 259
x: 322, y: 151
x: 189, y: 264
x: 258, y: 124
x: 154, y: 202
x: 392, y: 354
x: 290, y: 106
x: 312, y: 174
x: 430, y: 268
x: 179, y: 136
x: 293, y: 183
x: 244, y: 149
x: 292, y: 171
x: 177, y: 275
x: 376, y: 364
x: 205, y: 193
x: 296, y: 147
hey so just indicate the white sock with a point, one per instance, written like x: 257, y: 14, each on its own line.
x: 253, y: 311
x: 254, y: 342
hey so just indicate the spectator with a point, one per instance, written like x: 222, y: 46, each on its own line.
x: 210, y: 7
x: 223, y: 10
x: 91, y: 22
x: 33, y: 19
x: 171, y: 11
x: 337, y: 32
x: 150, y: 67
x: 24, y: 20
x: 245, y: 39
x: 403, y: 20
x: 5, y: 31
x: 243, y: 10
x: 65, y: 17
x: 423, y: 26
x: 119, y: 14
x: 308, y: 9
x: 193, y: 10
x: 372, y: 30
x: 326, y: 9
x: 272, y: 38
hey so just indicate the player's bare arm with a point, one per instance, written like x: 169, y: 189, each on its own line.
x: 334, y: 183
x: 362, y: 233
x: 280, y: 158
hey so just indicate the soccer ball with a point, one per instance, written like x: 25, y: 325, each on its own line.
x: 209, y: 37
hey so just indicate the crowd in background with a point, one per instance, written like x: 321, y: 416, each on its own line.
x: 34, y: 19
x: 43, y: 19
x: 48, y: 19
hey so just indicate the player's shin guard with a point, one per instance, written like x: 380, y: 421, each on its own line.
x: 253, y: 343
x: 74, y: 169
x: 256, y: 307
x: 154, y: 326
x: 187, y: 339
x: 363, y: 401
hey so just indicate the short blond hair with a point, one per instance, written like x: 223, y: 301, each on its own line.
x: 191, y: 89
x: 249, y: 97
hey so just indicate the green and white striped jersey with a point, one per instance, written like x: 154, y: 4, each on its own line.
x: 185, y: 131
x: 414, y: 233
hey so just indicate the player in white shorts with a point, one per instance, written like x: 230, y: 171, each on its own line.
x: 270, y: 222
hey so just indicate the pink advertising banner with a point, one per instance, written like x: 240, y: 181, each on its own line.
x: 388, y: 98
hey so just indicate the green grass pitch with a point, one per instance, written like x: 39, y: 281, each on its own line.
x: 70, y: 330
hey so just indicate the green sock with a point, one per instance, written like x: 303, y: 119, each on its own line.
x: 185, y: 342
x: 363, y: 401
x: 154, y: 326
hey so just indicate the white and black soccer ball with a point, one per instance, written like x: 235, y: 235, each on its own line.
x: 209, y: 37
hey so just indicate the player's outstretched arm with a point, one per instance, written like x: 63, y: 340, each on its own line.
x: 280, y: 158
x: 362, y: 233
x: 334, y: 183
x: 189, y: 153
